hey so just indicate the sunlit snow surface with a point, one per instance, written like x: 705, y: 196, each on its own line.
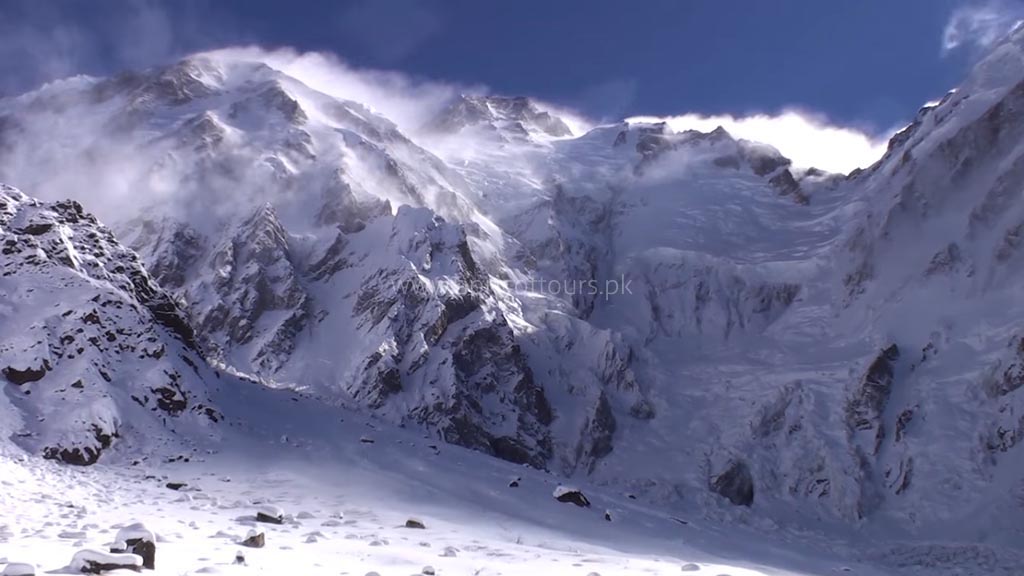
x: 346, y: 503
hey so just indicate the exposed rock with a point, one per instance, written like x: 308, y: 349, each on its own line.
x: 270, y: 514
x: 414, y: 523
x: 510, y: 118
x: 145, y: 550
x: 735, y: 483
x: 82, y: 455
x: 112, y: 334
x: 1010, y: 378
x: 787, y: 185
x: 865, y: 407
x: 140, y: 541
x: 25, y: 376
x: 568, y: 495
x: 254, y: 540
x: 95, y: 562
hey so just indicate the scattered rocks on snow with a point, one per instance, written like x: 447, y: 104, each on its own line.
x: 414, y: 523
x: 608, y: 515
x: 18, y: 569
x: 514, y: 483
x: 175, y: 485
x: 690, y: 567
x: 568, y: 495
x: 428, y: 571
x: 96, y: 562
x: 270, y: 514
x: 366, y: 440
x: 254, y: 540
x: 240, y: 558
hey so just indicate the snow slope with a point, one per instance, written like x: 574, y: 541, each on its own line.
x: 346, y: 501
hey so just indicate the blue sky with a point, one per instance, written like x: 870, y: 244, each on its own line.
x: 866, y: 64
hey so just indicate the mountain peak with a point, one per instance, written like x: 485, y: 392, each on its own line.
x: 509, y: 117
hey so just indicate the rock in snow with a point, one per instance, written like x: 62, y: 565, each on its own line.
x: 18, y: 569
x: 140, y: 541
x: 254, y: 540
x: 95, y: 562
x: 270, y: 514
x: 571, y: 495
x: 735, y: 483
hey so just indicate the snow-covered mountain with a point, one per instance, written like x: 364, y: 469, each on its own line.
x: 686, y: 316
x: 91, y: 349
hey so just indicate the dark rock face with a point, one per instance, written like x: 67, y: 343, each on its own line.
x: 19, y: 377
x: 145, y: 550
x: 85, y: 455
x: 254, y: 277
x: 736, y: 484
x: 865, y: 407
x: 268, y: 519
x: 787, y: 185
x: 415, y: 524
x: 573, y: 496
x: 596, y: 440
x: 341, y: 208
x: 172, y: 249
x: 101, y: 567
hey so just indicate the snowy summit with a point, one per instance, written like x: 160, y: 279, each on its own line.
x: 262, y: 313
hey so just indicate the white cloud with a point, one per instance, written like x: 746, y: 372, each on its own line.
x: 980, y: 24
x: 804, y: 138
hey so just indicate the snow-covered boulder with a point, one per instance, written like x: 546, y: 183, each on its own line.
x: 570, y: 495
x: 18, y: 569
x: 96, y: 562
x: 254, y: 539
x: 270, y: 514
x: 139, y: 540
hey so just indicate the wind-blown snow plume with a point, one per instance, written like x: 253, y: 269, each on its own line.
x: 979, y: 25
x: 807, y: 139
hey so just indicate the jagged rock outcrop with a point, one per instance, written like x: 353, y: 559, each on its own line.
x: 254, y: 296
x: 90, y: 342
x: 735, y: 483
x: 507, y: 118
